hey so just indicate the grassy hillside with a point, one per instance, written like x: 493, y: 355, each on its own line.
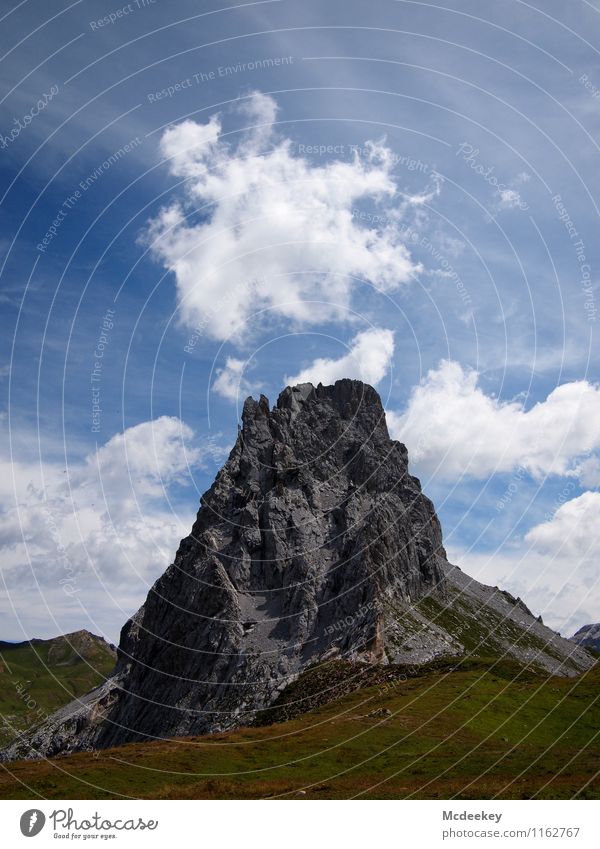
x: 473, y: 731
x: 40, y: 676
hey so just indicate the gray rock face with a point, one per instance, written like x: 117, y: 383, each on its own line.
x: 313, y: 541
x: 589, y: 636
x: 311, y: 520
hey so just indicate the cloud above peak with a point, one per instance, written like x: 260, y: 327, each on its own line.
x: 258, y: 226
x: 231, y: 383
x: 368, y: 359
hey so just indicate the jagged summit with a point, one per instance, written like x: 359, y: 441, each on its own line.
x: 347, y: 396
x: 313, y: 542
x: 353, y: 402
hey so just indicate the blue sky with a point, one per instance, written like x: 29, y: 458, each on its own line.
x: 217, y: 200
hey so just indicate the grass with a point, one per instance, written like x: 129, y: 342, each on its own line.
x: 488, y: 634
x: 38, y: 678
x: 473, y: 731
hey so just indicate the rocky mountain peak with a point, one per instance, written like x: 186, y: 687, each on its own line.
x: 314, y: 542
x: 348, y: 398
x: 322, y: 418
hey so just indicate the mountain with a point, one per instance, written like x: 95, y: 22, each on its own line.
x: 588, y: 636
x: 39, y: 676
x: 314, y: 543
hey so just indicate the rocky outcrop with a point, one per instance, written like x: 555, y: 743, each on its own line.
x: 313, y: 542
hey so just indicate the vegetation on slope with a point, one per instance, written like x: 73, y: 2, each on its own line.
x: 40, y: 676
x: 474, y: 730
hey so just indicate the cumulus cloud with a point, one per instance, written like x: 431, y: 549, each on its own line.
x: 453, y: 428
x: 570, y: 531
x: 554, y: 568
x: 368, y: 359
x: 559, y: 590
x: 230, y: 382
x: 105, y: 524
x: 142, y: 460
x: 588, y: 473
x: 260, y: 226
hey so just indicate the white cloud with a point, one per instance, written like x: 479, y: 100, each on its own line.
x: 510, y: 199
x: 268, y: 229
x: 557, y: 589
x: 368, y: 359
x: 452, y: 428
x: 143, y: 459
x: 570, y: 533
x: 554, y: 568
x: 189, y: 146
x: 428, y: 195
x: 588, y: 473
x: 230, y: 382
x: 105, y: 525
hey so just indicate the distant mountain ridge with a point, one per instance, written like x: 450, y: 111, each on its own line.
x: 588, y: 636
x: 78, y: 643
x: 313, y: 543
x: 39, y: 676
